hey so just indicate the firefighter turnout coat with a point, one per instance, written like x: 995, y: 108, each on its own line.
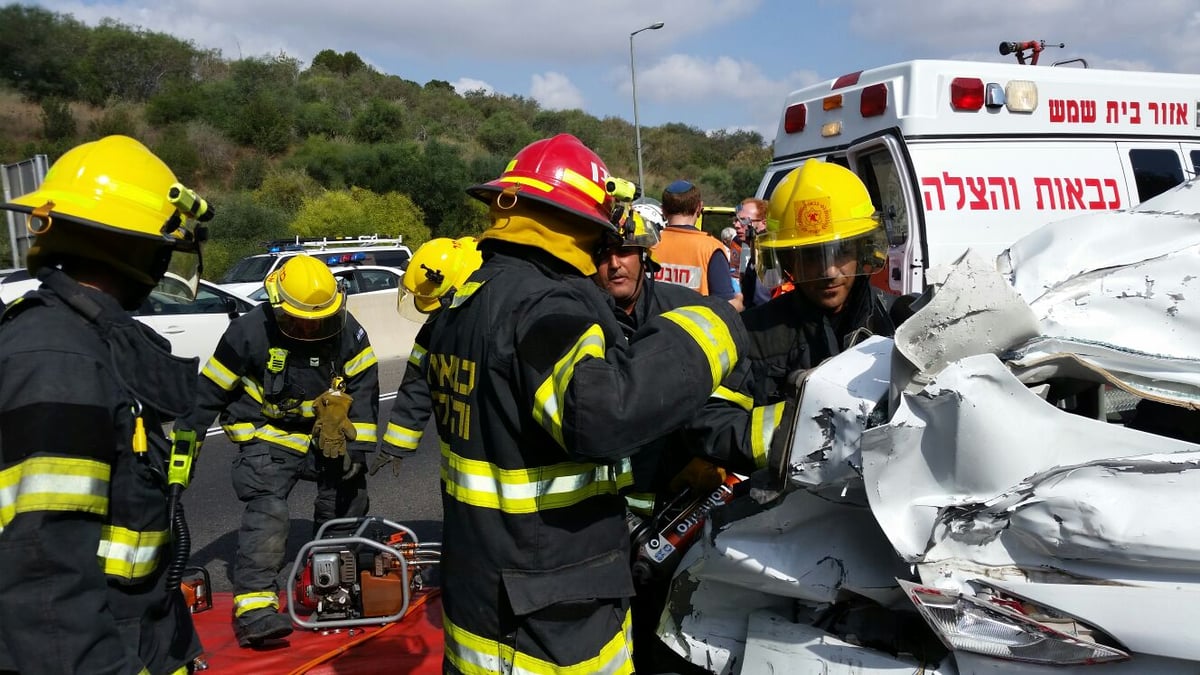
x: 539, y: 402
x: 413, y: 407
x: 84, y: 539
x: 263, y: 384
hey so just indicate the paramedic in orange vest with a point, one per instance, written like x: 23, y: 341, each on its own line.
x: 687, y: 255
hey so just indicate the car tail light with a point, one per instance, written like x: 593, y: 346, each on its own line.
x: 794, y: 118
x: 873, y: 101
x: 966, y: 93
x: 831, y: 102
x: 1004, y: 626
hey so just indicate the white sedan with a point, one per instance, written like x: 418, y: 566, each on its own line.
x: 193, y: 328
x: 357, y: 280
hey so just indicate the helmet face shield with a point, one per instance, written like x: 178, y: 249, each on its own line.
x: 308, y: 329
x: 182, y: 278
x: 863, y: 255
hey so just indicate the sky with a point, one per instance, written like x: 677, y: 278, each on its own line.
x: 714, y: 65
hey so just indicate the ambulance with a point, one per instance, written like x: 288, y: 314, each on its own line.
x: 962, y: 154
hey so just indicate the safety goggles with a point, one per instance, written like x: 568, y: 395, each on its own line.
x: 747, y: 222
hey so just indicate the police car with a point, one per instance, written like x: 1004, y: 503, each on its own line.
x: 247, y: 275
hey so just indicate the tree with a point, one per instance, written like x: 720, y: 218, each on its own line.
x: 505, y: 133
x: 125, y: 63
x: 36, y: 55
x: 343, y: 64
x: 378, y: 122
x: 358, y: 211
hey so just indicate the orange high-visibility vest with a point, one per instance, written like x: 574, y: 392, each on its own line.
x: 683, y: 256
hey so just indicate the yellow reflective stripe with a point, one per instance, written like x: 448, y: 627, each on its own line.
x: 367, y: 432
x: 740, y: 400
x: 523, y: 491
x: 586, y: 185
x: 763, y: 422
x: 182, y: 670
x: 242, y: 432
x: 547, y: 400
x: 711, y: 334
x: 417, y: 355
x: 218, y: 373
x: 54, y: 484
x: 297, y: 442
x: 365, y: 359
x: 247, y: 602
x: 402, y: 437
x: 641, y: 503
x: 465, y: 291
x: 129, y: 554
x: 531, y: 182
x: 473, y: 654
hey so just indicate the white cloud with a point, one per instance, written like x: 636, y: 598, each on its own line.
x: 464, y: 84
x: 1147, y: 35
x: 554, y: 91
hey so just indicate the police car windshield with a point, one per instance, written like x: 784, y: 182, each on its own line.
x: 248, y: 270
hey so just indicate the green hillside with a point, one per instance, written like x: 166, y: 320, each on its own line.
x: 333, y: 149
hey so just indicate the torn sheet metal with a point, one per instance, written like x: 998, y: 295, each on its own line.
x: 975, y: 311
x: 976, y: 433
x: 839, y: 397
x: 775, y: 644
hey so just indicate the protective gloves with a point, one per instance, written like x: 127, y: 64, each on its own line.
x: 383, y: 460
x: 701, y: 475
x: 353, y: 464
x: 333, y: 427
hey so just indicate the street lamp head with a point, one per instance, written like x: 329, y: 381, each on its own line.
x: 653, y: 26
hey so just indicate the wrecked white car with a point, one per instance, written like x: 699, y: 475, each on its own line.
x: 1008, y: 486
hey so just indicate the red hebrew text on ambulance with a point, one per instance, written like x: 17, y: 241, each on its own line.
x: 961, y: 154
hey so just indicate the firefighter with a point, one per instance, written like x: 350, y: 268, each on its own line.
x: 539, y: 401
x: 824, y: 235
x: 296, y: 384
x: 625, y: 269
x: 85, y: 538
x: 437, y: 269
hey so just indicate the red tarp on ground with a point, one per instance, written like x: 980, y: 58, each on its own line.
x: 413, y: 645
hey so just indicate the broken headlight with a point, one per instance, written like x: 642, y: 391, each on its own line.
x: 1003, y: 626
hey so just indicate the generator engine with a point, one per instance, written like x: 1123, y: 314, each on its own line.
x: 367, y: 578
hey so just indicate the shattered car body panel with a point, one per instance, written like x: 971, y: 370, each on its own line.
x: 1000, y: 476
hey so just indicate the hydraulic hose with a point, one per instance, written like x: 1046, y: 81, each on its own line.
x: 181, y: 540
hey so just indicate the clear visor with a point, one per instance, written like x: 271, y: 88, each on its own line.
x: 863, y: 255
x: 310, y: 330
x: 407, y: 307
x: 182, y: 278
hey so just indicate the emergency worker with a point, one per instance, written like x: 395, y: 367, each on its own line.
x: 689, y: 256
x: 625, y: 269
x: 540, y: 400
x: 296, y: 385
x: 85, y: 537
x: 437, y: 269
x: 824, y: 235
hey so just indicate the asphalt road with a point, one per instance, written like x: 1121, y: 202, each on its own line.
x: 214, y: 513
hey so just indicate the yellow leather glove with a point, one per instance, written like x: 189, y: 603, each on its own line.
x: 333, y: 427
x: 701, y: 475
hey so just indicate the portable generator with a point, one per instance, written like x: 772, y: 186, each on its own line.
x: 367, y: 578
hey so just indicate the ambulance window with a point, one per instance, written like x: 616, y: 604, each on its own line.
x: 1155, y: 171
x: 1195, y: 154
x: 882, y: 179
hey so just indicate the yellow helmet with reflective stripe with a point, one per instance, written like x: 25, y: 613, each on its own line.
x: 98, y: 194
x: 305, y: 288
x: 817, y: 203
x: 114, y: 183
x: 437, y: 270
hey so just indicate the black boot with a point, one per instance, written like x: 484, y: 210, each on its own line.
x: 259, y: 625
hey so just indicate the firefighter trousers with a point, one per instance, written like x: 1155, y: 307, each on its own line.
x: 263, y: 477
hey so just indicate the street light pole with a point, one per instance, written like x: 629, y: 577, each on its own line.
x: 637, y: 129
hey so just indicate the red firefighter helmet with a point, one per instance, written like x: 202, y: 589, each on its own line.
x: 559, y: 171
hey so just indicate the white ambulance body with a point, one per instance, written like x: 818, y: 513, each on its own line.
x: 974, y: 155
